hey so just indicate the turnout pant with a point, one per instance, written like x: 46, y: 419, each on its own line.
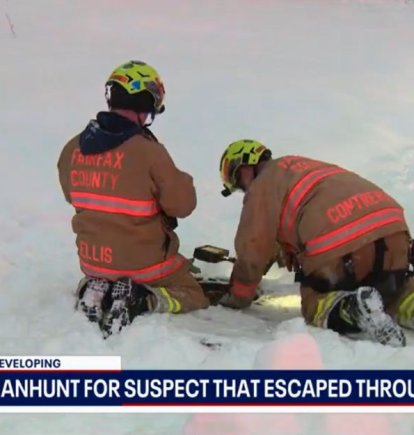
x: 395, y: 288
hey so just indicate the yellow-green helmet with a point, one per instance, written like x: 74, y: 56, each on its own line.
x: 241, y: 152
x: 136, y: 85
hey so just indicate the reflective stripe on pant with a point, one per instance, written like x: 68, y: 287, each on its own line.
x: 177, y: 293
x: 164, y: 302
x: 316, y: 307
x: 405, y: 307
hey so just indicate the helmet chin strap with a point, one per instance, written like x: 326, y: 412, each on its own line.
x: 144, y: 122
x: 150, y: 116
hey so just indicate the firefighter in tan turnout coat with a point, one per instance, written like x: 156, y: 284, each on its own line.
x: 127, y: 193
x: 345, y: 238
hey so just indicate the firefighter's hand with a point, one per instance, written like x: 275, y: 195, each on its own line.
x: 237, y: 302
x: 170, y: 222
x: 240, y: 295
x: 280, y: 257
x: 285, y: 259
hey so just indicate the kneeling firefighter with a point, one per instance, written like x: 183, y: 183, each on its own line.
x: 345, y: 238
x: 127, y: 194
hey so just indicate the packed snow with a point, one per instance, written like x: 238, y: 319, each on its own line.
x: 332, y: 80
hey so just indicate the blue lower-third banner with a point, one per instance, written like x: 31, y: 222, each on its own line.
x: 202, y: 388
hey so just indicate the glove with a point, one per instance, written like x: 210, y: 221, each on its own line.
x: 283, y: 258
x: 214, y: 290
x: 170, y: 222
x: 239, y: 296
x: 236, y: 302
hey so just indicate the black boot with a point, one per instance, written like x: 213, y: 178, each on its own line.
x: 91, y: 293
x: 124, y: 302
x: 365, y: 308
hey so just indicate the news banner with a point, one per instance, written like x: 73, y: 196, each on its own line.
x: 98, y: 384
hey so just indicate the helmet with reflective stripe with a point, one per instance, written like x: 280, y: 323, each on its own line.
x: 241, y: 152
x: 139, y: 87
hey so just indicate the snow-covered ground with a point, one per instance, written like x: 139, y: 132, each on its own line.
x: 329, y: 79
